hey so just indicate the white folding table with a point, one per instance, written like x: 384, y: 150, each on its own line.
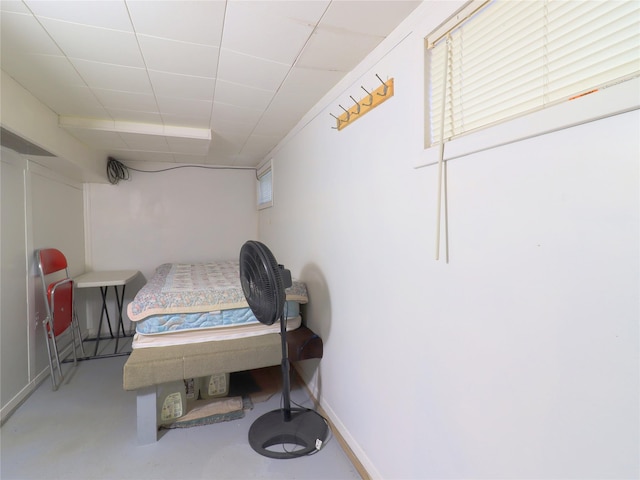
x: 104, y: 280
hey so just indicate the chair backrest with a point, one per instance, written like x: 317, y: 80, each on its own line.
x: 51, y: 260
x: 58, y: 295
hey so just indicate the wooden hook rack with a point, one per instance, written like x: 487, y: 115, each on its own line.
x: 365, y: 104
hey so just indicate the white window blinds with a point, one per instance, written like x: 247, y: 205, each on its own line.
x: 265, y: 189
x: 514, y: 57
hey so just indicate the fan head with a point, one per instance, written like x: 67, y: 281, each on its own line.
x: 263, y: 281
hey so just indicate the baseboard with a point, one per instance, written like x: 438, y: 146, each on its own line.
x: 22, y: 395
x: 360, y: 461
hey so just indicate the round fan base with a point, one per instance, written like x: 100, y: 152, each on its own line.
x: 303, y: 434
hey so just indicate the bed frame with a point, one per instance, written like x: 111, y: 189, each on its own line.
x: 146, y: 368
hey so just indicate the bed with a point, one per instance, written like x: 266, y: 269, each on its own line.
x: 192, y: 320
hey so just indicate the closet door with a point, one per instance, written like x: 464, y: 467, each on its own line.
x: 14, y: 324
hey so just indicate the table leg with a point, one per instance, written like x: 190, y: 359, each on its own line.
x: 120, y: 303
x: 104, y: 312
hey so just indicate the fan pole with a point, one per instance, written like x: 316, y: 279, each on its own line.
x: 286, y: 382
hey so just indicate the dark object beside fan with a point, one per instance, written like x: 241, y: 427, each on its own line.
x: 264, y: 283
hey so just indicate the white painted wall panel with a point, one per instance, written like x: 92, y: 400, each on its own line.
x: 519, y: 358
x: 14, y: 353
x: 184, y: 215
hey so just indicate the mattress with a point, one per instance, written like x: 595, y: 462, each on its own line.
x: 185, y: 337
x: 174, y: 322
x: 195, y: 288
x: 185, y: 303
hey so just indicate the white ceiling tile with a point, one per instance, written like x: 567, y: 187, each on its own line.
x: 98, y: 13
x: 185, y: 107
x: 242, y: 96
x: 114, y: 100
x: 179, y: 57
x: 113, y: 77
x: 325, y: 50
x: 189, y: 146
x: 127, y: 155
x: 235, y: 131
x: 278, y: 120
x: 78, y: 101
x: 181, y: 86
x: 30, y: 69
x: 310, y: 83
x: 186, y: 120
x: 231, y: 138
x: 251, y: 71
x: 263, y: 30
x: 237, y: 114
x: 148, y: 143
x: 305, y: 12
x: 187, y: 21
x: 15, y: 6
x: 258, y: 144
x: 23, y: 34
x: 96, y: 44
x: 165, y: 73
x: 374, y: 17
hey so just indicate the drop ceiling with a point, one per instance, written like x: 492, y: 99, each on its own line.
x: 201, y: 82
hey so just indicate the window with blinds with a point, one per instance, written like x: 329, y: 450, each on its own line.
x: 508, y: 58
x: 265, y: 187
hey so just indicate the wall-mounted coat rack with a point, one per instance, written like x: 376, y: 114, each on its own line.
x: 364, y: 105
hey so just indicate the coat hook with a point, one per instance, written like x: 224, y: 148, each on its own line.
x: 357, y: 105
x: 339, y: 121
x: 370, y: 98
x: 384, y: 90
x: 347, y: 111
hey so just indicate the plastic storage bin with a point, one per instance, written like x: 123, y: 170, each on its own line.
x: 213, y: 386
x: 172, y: 401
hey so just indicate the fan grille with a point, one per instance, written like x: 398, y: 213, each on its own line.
x: 262, y: 282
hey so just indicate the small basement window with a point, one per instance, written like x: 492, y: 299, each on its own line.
x: 265, y: 186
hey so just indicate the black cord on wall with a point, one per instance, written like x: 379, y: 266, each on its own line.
x: 117, y: 171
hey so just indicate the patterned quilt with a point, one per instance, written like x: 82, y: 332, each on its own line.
x: 192, y: 288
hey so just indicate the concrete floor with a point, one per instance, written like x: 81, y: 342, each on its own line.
x: 87, y: 430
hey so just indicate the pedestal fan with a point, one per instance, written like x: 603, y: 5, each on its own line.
x: 298, y: 431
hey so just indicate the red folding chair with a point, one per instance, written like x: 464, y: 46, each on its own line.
x: 59, y: 304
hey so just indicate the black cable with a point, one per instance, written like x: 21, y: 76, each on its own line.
x: 117, y: 171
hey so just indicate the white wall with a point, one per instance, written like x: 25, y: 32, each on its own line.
x: 518, y: 358
x: 183, y: 215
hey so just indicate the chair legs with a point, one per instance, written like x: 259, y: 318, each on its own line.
x: 54, y: 359
x: 52, y: 349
